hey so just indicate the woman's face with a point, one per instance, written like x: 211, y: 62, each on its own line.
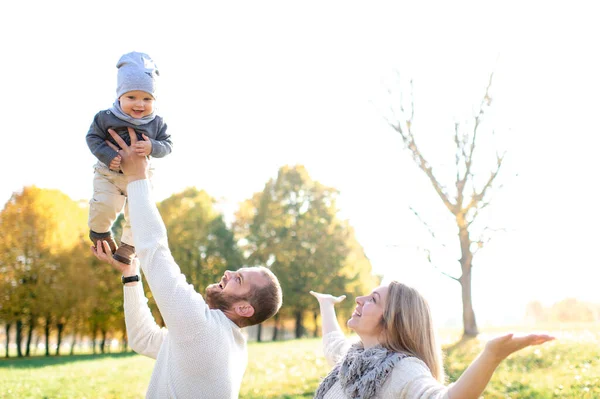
x: 367, y: 318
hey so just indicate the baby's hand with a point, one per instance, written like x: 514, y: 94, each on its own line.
x: 143, y: 148
x: 115, y: 164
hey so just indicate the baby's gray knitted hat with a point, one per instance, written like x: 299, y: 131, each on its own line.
x: 136, y: 71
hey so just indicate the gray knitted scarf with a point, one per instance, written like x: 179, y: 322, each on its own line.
x: 362, y: 372
x: 116, y: 109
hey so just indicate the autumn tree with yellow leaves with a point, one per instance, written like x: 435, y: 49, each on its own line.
x: 51, y: 283
x: 39, y: 227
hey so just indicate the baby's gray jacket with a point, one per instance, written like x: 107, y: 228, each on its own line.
x: 156, y: 130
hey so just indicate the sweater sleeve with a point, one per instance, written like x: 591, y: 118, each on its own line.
x: 95, y: 140
x: 143, y: 334
x: 162, y: 144
x: 411, y: 379
x: 335, y: 346
x: 182, y: 308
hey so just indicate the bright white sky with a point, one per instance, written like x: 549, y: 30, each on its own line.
x: 247, y: 87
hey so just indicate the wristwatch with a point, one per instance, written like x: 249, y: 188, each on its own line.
x: 130, y: 279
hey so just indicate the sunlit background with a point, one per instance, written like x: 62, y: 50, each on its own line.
x: 247, y: 87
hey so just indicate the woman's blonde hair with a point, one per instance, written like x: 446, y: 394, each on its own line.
x: 408, y: 327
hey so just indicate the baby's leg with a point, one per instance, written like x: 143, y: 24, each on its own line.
x: 127, y: 236
x: 105, y: 205
x: 126, y: 251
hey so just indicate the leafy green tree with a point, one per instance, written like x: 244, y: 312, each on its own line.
x: 199, y: 239
x: 292, y: 227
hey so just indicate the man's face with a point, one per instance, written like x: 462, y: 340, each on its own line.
x: 234, y: 286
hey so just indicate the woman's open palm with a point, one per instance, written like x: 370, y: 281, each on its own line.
x: 327, y: 298
x: 505, y: 345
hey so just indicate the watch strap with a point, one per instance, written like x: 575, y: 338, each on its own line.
x: 130, y: 279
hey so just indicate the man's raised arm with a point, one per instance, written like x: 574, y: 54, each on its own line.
x: 181, y: 307
x: 143, y: 334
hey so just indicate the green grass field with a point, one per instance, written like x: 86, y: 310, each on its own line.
x: 566, y: 368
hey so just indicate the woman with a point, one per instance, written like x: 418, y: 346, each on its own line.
x: 397, y: 355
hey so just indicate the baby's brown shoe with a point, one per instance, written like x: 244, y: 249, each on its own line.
x: 95, y: 237
x: 125, y: 254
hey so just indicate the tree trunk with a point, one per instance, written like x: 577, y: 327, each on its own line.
x: 124, y: 340
x: 36, y: 344
x: 299, y: 326
x: 60, y: 327
x: 94, y: 335
x: 47, y: 335
x: 103, y: 342
x: 316, y: 332
x: 30, y: 334
x: 7, y: 333
x: 259, y: 332
x: 19, y: 337
x: 466, y: 262
x: 469, y: 322
x: 72, y: 351
x: 275, y: 328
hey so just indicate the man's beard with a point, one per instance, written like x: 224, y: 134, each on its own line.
x: 216, y: 299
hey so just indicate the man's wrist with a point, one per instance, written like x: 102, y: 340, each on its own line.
x: 130, y: 280
x: 130, y: 271
x: 132, y: 178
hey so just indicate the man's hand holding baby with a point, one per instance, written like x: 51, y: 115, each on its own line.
x: 133, y: 166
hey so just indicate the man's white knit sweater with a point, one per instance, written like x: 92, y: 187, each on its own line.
x: 201, y: 354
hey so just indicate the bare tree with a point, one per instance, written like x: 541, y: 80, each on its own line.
x: 472, y: 194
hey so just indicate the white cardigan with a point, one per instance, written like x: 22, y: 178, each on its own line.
x: 410, y: 378
x: 203, y: 354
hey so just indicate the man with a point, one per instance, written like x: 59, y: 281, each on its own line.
x: 202, y: 352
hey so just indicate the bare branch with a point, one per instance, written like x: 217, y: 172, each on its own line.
x: 480, y: 206
x: 460, y: 155
x: 425, y: 167
x: 412, y: 101
x: 428, y: 252
x: 483, y: 240
x: 409, y: 142
x: 426, y: 225
x: 457, y: 156
x: 485, y: 102
x: 478, y: 197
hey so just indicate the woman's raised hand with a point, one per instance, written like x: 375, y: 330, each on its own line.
x: 327, y: 298
x: 502, y: 347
